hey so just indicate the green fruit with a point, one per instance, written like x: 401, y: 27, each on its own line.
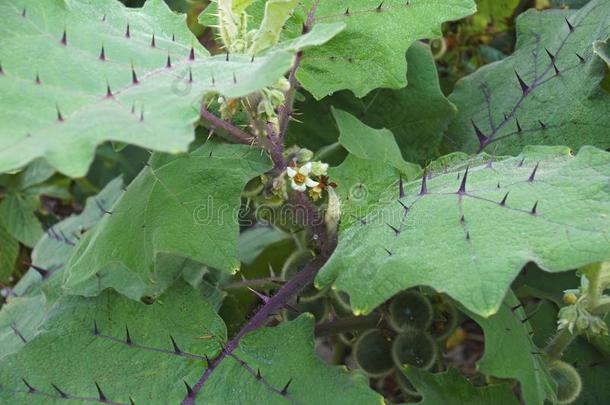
x: 416, y: 348
x: 410, y: 309
x: 569, y: 383
x: 253, y: 187
x: 372, y: 353
x: 445, y: 319
x: 294, y: 264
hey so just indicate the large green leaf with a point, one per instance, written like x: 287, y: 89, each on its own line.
x: 450, y: 387
x: 461, y: 237
x: 38, y: 289
x: 370, y: 52
x: 511, y: 353
x: 83, y: 98
x: 177, y: 208
x: 417, y: 114
x: 68, y: 353
x: 17, y: 216
x: 84, y: 342
x: 567, y: 108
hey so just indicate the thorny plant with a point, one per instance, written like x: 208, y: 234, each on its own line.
x: 393, y: 325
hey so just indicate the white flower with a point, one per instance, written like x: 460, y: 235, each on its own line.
x: 300, y: 177
x: 319, y: 169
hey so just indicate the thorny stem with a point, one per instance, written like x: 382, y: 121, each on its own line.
x: 560, y: 341
x: 323, y: 241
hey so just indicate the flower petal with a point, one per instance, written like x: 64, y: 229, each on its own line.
x: 311, y: 183
x: 305, y: 169
x: 291, y: 172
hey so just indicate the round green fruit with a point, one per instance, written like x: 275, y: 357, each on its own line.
x: 569, y: 383
x: 372, y: 353
x: 415, y: 347
x: 410, y: 309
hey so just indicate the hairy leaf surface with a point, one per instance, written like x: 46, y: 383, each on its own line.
x: 75, y: 74
x: 470, y: 238
x: 565, y: 108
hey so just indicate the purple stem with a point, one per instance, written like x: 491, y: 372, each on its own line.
x: 275, y: 304
x: 225, y: 128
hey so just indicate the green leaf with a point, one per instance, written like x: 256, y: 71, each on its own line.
x: 9, y: 250
x: 17, y: 215
x: 369, y: 53
x: 602, y: 49
x: 511, y: 353
x: 450, y: 387
x: 253, y: 241
x: 421, y: 239
x: 19, y: 321
x: 148, y: 370
x: 566, y: 109
x: 74, y: 80
x: 53, y: 250
x: 276, y: 14
x: 177, y: 208
x: 371, y: 144
x: 417, y: 114
x: 283, y: 353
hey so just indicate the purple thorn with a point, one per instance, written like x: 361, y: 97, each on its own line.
x: 173, y: 37
x: 462, y: 219
x: 131, y: 401
x: 467, y: 235
x: 346, y: 12
x: 134, y: 76
x: 153, y: 43
x: 524, y: 87
x: 534, y: 208
x: 108, y: 91
x: 403, y: 206
x: 60, y: 117
x: 64, y: 38
x: 142, y: 115
x: 192, y: 54
x: 401, y: 188
x: 96, y: 330
x: 37, y: 81
x: 284, y: 390
x: 176, y: 348
x: 531, y: 178
x: 462, y: 189
x: 252, y: 59
x: 396, y: 230
x: 503, y: 202
x: 44, y: 273
x: 23, y: 13
x: 483, y: 139
x: 127, y: 32
x: 189, y: 390
x: 128, y: 336
x: 521, y: 162
x: 516, y: 307
x: 207, y: 360
x: 262, y: 297
x: 570, y: 26
x: 519, y: 129
x: 580, y: 58
x: 168, y: 64
x: 100, y: 393
x: 498, y: 186
x: 234, y: 78
x: 258, y: 374
x: 557, y: 72
x: 542, y: 125
x: 103, y: 54
x: 60, y: 392
x: 388, y: 252
x: 551, y: 56
x: 227, y: 56
x: 27, y: 384
x: 424, y: 186
x: 190, y: 75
